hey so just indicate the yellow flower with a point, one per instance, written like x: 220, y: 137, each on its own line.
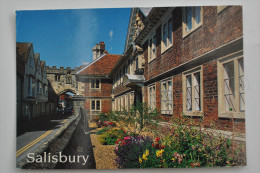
x: 144, y: 157
x: 159, y: 152
x: 140, y: 160
x: 146, y: 152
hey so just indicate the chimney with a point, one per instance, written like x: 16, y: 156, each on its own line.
x: 98, y: 50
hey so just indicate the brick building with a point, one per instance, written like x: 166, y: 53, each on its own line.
x: 95, y: 84
x: 184, y: 61
x: 127, y: 74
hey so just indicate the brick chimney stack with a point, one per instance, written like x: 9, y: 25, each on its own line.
x: 98, y: 50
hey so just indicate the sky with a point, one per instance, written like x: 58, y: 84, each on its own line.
x: 66, y: 37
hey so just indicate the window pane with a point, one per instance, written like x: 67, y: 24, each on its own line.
x: 188, y: 18
x: 153, y: 96
x: 197, y: 91
x: 164, y: 96
x: 97, y: 83
x: 93, y: 105
x: 154, y: 47
x: 170, y: 30
x: 169, y: 95
x: 98, y: 105
x: 188, y: 93
x: 229, y: 82
x: 151, y: 47
x: 165, y: 34
x: 241, y: 85
x: 92, y: 83
x: 197, y: 15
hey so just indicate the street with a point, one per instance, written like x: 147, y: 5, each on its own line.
x: 32, y: 134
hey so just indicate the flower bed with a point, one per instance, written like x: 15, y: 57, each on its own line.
x: 101, y: 123
x: 187, y: 146
x: 110, y: 136
x: 182, y: 144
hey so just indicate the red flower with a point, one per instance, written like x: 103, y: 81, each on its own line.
x: 157, y: 139
x: 152, y: 145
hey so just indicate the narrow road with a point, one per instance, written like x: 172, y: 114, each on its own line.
x: 32, y: 134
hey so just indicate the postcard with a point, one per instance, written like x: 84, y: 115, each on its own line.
x: 114, y: 88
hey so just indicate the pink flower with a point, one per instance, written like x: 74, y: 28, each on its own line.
x: 126, y: 138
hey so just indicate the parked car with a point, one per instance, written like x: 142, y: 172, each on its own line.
x: 68, y: 111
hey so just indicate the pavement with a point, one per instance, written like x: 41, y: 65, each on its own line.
x: 32, y: 134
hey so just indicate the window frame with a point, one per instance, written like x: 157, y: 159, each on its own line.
x: 152, y: 86
x: 29, y: 88
x: 168, y: 111
x: 95, y: 80
x: 169, y: 44
x: 194, y: 26
x: 151, y: 55
x: 193, y: 111
x: 95, y: 100
x: 237, y: 112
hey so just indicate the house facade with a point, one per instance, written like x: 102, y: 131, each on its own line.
x: 185, y: 61
x: 32, y: 84
x: 95, y: 83
x: 128, y: 73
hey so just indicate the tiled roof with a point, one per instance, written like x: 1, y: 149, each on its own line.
x: 23, y: 50
x: 20, y: 66
x: 42, y: 65
x: 101, y: 66
x: 36, y: 59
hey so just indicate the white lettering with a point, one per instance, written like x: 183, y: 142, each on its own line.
x: 30, y: 157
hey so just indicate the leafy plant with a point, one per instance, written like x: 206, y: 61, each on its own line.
x: 136, y: 118
x: 110, y: 136
x: 100, y: 132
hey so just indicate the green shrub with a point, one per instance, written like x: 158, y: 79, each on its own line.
x: 111, y: 136
x: 100, y: 132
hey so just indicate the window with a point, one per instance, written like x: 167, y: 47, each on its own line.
x: 192, y: 92
x: 95, y: 105
x: 231, y: 87
x: 33, y: 87
x: 136, y: 63
x: 29, y: 86
x: 131, y: 99
x: 95, y: 84
x: 166, y: 35
x: 38, y: 87
x: 192, y: 19
x: 57, y: 77
x: 126, y: 102
x: 166, y: 97
x: 31, y: 61
x: 152, y: 97
x: 121, y: 104
x: 152, y: 48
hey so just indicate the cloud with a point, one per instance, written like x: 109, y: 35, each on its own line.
x: 111, y: 34
x: 86, y: 30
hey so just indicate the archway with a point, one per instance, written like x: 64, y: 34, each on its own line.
x: 65, y: 98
